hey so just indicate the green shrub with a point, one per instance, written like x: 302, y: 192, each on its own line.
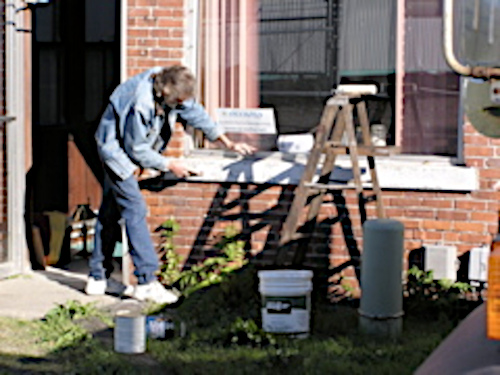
x: 59, y: 327
x: 248, y: 333
x: 213, y: 270
x: 434, y: 298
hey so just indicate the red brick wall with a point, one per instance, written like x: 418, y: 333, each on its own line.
x: 465, y: 220
x: 155, y: 34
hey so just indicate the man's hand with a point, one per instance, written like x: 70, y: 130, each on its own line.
x: 243, y: 148
x: 180, y: 170
x: 144, y: 174
x: 138, y: 172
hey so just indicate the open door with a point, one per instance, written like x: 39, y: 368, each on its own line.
x: 76, y: 65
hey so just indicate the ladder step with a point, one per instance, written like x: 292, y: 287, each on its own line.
x: 318, y: 186
x: 338, y: 149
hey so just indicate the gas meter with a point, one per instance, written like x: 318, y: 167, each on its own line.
x: 482, y: 105
x: 480, y: 37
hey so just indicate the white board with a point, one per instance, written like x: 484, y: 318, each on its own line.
x: 249, y: 121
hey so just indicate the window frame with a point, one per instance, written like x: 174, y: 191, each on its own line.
x: 192, y: 39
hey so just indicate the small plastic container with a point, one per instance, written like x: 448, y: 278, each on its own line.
x: 159, y: 327
x: 493, y: 301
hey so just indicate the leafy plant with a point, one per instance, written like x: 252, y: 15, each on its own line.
x: 422, y: 283
x: 171, y: 260
x: 230, y: 257
x: 247, y: 332
x: 436, y: 297
x: 59, y: 327
x: 340, y: 290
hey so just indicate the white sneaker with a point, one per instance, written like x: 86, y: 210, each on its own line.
x: 129, y: 291
x: 110, y: 286
x: 154, y: 292
x: 95, y: 287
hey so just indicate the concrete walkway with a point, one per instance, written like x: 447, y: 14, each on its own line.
x: 32, y: 295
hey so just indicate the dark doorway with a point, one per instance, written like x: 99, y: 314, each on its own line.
x: 76, y: 65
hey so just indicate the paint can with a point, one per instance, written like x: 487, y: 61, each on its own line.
x: 286, y: 301
x: 130, y: 332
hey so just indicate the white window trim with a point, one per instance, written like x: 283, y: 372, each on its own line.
x: 15, y: 153
x: 192, y: 25
x: 400, y: 68
x: 123, y: 39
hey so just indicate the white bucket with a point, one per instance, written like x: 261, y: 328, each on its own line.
x: 286, y: 301
x: 130, y: 332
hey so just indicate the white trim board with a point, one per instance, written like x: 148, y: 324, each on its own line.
x: 396, y: 172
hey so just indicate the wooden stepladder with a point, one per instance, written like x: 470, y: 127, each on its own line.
x: 335, y: 135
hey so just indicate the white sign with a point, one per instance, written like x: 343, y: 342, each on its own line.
x: 253, y: 121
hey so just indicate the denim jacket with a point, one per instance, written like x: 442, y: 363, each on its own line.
x: 131, y: 134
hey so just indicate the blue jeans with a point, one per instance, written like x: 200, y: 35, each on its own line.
x: 123, y: 198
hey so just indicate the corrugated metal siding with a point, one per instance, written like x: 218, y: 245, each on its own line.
x: 367, y: 37
x: 424, y: 46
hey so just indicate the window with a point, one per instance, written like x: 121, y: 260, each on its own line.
x: 289, y: 54
x: 367, y: 53
x: 229, y: 56
x: 431, y: 89
x: 479, y: 40
x: 297, y: 59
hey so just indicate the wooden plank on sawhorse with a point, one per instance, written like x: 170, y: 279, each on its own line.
x: 335, y: 135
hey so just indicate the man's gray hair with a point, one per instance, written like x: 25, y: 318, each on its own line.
x: 172, y: 83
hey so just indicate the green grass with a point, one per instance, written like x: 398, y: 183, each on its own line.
x: 214, y: 317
